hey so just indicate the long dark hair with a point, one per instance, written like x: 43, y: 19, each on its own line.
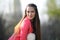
x: 35, y: 23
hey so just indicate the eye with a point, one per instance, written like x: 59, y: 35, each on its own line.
x: 27, y: 11
x: 32, y: 11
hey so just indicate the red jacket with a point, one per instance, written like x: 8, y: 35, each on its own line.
x: 25, y: 29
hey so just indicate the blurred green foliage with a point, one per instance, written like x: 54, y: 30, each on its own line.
x: 53, y: 10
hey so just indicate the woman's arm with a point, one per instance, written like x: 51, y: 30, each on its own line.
x: 24, y: 30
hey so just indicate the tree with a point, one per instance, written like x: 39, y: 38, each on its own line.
x: 53, y: 10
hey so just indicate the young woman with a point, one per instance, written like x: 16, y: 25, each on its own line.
x: 29, y: 23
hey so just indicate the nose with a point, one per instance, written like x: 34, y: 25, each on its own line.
x: 30, y: 13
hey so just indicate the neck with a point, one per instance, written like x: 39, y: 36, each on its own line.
x: 31, y: 20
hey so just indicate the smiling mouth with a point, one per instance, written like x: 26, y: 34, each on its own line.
x: 30, y: 16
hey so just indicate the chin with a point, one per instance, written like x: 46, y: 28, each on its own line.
x: 31, y: 18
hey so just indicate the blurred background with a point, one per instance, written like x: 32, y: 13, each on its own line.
x: 11, y: 12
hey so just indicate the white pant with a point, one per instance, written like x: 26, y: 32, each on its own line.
x: 31, y: 36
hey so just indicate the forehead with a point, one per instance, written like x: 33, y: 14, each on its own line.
x: 30, y: 9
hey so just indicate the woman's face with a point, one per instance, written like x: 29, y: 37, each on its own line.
x: 30, y: 11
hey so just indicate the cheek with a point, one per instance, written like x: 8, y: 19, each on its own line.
x: 27, y: 14
x: 33, y: 14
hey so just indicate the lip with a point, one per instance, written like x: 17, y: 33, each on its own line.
x: 31, y: 16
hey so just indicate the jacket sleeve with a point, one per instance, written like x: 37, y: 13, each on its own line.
x: 24, y: 30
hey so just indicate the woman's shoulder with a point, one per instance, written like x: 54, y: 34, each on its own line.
x: 26, y: 21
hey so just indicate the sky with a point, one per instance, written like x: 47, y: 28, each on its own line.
x: 5, y: 4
